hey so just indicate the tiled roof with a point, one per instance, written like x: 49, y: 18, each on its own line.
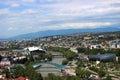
x: 20, y: 78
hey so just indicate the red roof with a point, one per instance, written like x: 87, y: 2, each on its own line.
x: 20, y: 78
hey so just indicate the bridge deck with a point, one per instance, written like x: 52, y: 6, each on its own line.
x: 54, y: 64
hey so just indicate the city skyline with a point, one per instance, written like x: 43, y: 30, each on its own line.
x: 26, y: 16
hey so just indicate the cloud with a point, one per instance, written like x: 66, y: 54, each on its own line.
x: 11, y: 28
x: 34, y: 15
x: 4, y: 11
x: 15, y: 5
x: 82, y: 8
x: 74, y: 25
x: 29, y: 11
x: 28, y: 0
x: 86, y: 25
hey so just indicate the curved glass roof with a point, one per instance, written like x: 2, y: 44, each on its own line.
x: 104, y: 57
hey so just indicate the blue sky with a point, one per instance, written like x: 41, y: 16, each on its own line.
x: 26, y: 16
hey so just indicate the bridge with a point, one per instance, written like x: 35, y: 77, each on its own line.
x: 56, y: 54
x: 58, y: 66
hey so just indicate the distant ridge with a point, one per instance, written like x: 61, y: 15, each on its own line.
x: 61, y: 32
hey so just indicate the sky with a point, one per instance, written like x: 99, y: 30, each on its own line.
x: 27, y: 16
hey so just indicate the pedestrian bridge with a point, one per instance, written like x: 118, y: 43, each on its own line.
x: 50, y: 63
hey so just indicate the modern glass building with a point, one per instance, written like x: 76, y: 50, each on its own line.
x: 102, y: 57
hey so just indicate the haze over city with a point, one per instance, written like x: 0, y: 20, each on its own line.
x: 26, y: 16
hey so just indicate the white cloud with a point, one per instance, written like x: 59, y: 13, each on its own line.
x: 55, y: 1
x: 108, y: 2
x: 28, y: 0
x: 57, y: 14
x: 11, y: 28
x: 29, y: 11
x: 80, y: 8
x: 15, y: 5
x: 86, y: 25
x: 4, y: 11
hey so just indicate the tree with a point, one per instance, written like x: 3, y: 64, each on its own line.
x: 64, y: 62
x: 96, y: 51
x: 118, y: 59
x: 49, y: 56
x: 19, y: 71
x: 51, y: 76
x: 108, y: 78
x: 32, y: 74
x: 0, y: 57
x: 82, y: 73
x: 7, y: 72
x: 101, y: 73
x: 29, y: 71
x: 81, y: 50
x: 69, y: 54
x: 36, y: 76
x: 74, y: 78
x: 80, y: 63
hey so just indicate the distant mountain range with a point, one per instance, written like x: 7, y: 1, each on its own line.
x: 60, y: 32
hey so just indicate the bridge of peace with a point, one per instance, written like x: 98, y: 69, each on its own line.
x: 48, y: 67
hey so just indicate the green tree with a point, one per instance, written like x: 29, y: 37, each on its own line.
x: 29, y: 71
x: 74, y: 78
x: 96, y: 51
x: 82, y: 72
x: 32, y: 74
x: 36, y: 76
x: 64, y: 62
x: 6, y: 71
x: 69, y: 54
x: 19, y: 71
x: 0, y: 57
x: 81, y: 50
x: 49, y: 56
x: 101, y: 73
x: 52, y: 76
x: 108, y: 78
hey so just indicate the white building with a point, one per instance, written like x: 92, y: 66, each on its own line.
x: 94, y: 46
x: 115, y: 44
x: 74, y: 50
x: 33, y: 48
